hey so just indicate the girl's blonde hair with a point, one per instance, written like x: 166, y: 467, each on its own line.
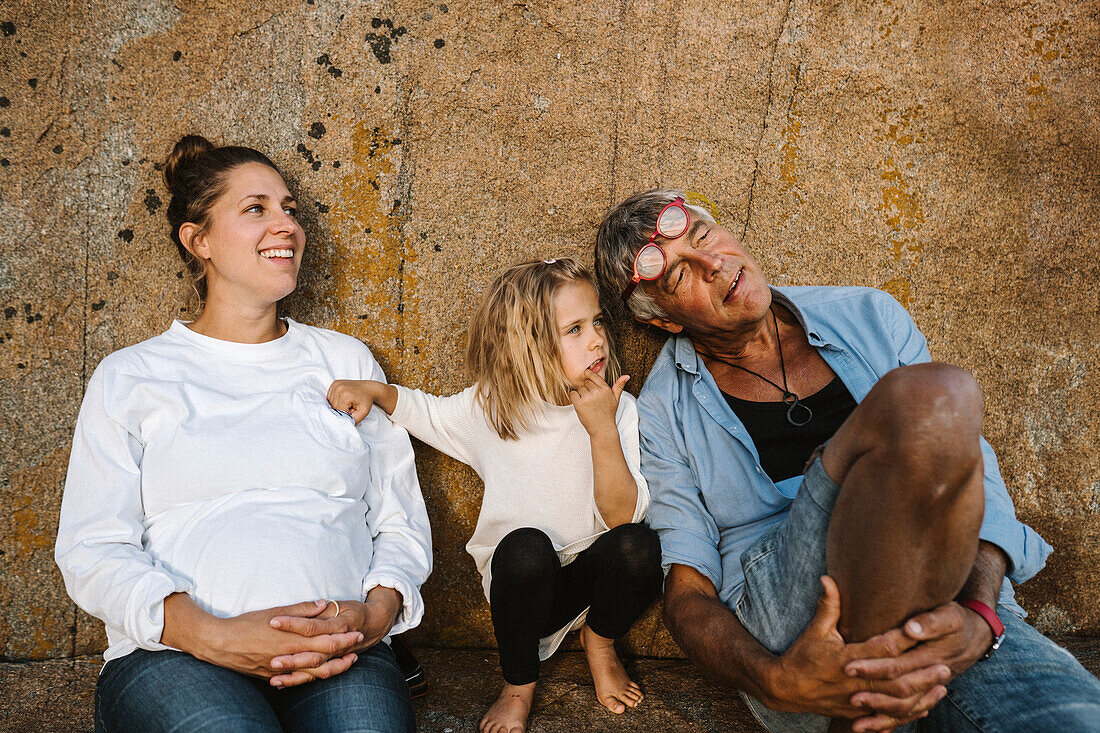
x: 513, y: 351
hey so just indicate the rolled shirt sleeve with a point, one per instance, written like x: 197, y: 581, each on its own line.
x: 688, y: 532
x: 99, y: 548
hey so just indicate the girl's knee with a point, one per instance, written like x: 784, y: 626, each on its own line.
x: 525, y: 555
x: 636, y: 548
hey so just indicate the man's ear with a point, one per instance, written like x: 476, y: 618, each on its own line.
x: 193, y: 241
x: 665, y: 325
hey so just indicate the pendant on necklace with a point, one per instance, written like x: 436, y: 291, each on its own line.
x: 798, y: 414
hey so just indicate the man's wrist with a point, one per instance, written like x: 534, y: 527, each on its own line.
x: 767, y: 681
x: 990, y: 630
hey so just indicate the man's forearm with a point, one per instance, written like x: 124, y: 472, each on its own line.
x: 715, y: 640
x: 984, y: 582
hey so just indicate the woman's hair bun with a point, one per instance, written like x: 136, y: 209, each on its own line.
x: 185, y: 152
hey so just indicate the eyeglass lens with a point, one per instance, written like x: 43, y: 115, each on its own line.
x: 650, y: 262
x: 672, y: 222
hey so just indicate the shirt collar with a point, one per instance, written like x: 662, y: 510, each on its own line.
x: 687, y: 359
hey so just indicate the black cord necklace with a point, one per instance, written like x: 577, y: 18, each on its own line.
x: 794, y: 405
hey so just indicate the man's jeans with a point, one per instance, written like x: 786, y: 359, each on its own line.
x: 173, y: 691
x: 1029, y: 684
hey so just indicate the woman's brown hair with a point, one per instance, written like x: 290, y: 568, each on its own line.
x: 196, y: 173
x: 513, y: 352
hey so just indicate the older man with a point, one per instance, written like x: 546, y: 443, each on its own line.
x: 835, y: 530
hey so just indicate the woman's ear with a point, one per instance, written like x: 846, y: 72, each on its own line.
x: 192, y: 239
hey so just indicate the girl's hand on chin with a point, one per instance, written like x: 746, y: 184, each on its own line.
x: 596, y: 401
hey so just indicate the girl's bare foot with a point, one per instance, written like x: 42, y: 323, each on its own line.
x: 509, y: 713
x: 613, y: 687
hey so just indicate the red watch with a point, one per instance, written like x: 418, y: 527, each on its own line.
x: 990, y: 617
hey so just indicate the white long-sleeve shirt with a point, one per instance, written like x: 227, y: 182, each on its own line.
x: 544, y: 479
x: 218, y: 469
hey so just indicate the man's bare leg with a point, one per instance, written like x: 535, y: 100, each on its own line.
x: 904, y: 532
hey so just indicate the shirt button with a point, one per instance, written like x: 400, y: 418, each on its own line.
x: 759, y: 469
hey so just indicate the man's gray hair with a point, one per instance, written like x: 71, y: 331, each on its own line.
x: 625, y: 230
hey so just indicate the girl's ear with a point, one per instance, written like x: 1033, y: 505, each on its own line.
x: 193, y: 240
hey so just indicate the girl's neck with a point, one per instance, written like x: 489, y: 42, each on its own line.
x: 232, y: 322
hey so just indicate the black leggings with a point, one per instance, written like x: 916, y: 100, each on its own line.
x: 531, y: 595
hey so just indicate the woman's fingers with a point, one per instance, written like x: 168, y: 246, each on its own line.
x: 303, y: 660
x: 310, y: 626
x: 306, y: 609
x: 328, y: 669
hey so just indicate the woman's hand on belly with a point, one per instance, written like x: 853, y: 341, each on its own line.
x: 250, y: 644
x: 373, y: 619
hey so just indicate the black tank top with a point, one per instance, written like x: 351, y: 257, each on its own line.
x: 785, y: 448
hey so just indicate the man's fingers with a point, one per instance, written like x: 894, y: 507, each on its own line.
x: 908, y: 685
x: 885, y: 646
x: 900, y: 711
x: 914, y: 661
x: 937, y: 623
x: 882, y: 723
x: 828, y: 609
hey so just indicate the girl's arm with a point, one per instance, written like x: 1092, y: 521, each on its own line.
x: 357, y: 396
x: 614, y: 486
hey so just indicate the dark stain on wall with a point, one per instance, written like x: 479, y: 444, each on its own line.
x: 307, y: 154
x: 381, y: 40
x: 335, y: 71
x: 152, y: 201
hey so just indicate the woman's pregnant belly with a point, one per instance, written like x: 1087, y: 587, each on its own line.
x: 264, y: 548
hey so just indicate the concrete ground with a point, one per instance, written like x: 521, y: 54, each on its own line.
x: 57, y: 695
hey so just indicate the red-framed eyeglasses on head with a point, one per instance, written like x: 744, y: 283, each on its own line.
x: 649, y: 263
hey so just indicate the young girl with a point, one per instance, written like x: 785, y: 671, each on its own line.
x: 549, y: 430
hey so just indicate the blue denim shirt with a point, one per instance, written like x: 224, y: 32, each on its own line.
x: 710, y: 498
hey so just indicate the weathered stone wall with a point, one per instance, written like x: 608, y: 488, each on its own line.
x: 948, y: 153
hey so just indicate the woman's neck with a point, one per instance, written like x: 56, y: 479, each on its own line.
x: 233, y: 322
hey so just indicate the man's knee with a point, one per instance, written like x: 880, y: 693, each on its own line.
x: 928, y: 417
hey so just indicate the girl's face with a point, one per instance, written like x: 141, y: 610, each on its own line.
x: 580, y: 331
x: 253, y: 245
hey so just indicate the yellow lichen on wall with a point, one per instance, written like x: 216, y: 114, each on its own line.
x: 372, y: 267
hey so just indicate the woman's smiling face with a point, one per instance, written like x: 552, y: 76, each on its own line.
x: 253, y: 244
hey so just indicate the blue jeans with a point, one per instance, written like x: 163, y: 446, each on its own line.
x: 173, y: 691
x: 1029, y: 684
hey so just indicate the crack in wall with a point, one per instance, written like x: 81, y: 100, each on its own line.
x: 616, y: 116
x: 767, y: 109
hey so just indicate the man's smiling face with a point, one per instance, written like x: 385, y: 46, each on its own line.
x: 710, y: 284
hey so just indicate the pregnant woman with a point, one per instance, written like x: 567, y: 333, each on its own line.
x: 247, y: 547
